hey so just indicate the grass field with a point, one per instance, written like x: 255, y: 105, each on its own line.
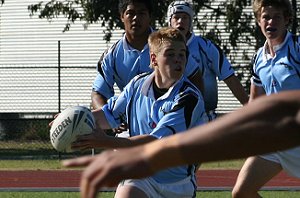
x: 41, y: 153
x: 55, y: 164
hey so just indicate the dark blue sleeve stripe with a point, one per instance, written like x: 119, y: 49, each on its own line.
x: 172, y: 129
x: 104, y: 54
x: 188, y: 101
x: 99, y: 64
x: 256, y: 81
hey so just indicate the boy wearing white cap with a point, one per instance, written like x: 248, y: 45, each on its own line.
x: 210, y: 57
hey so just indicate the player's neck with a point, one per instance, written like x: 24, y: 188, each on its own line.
x: 137, y: 42
x: 272, y: 43
x: 158, y: 92
x: 188, y: 35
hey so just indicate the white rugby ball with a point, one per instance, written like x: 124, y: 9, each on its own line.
x: 71, y: 122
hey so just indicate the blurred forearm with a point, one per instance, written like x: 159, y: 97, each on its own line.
x: 98, y: 100
x: 237, y: 89
x: 268, y: 124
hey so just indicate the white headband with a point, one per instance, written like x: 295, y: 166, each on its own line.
x: 181, y: 6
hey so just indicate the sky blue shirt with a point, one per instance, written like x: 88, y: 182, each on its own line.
x: 281, y: 72
x: 213, y: 64
x: 121, y: 63
x: 179, y: 109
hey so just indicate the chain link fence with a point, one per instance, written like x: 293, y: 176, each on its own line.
x: 25, y: 115
x: 31, y: 94
x: 30, y: 97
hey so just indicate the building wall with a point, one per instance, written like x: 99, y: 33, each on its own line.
x: 29, y: 60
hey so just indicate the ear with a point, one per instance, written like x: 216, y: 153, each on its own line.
x: 287, y: 21
x: 258, y: 23
x: 122, y: 17
x: 153, y: 59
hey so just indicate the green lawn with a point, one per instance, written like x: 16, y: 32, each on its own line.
x: 55, y: 164
x: 231, y: 164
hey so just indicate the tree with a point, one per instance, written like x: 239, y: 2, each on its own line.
x: 238, y: 22
x: 295, y: 20
x: 106, y: 13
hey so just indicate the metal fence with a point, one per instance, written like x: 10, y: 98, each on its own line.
x: 29, y: 102
x: 30, y: 95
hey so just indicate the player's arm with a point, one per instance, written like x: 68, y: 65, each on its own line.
x: 261, y: 127
x: 102, y: 87
x: 197, y: 80
x: 256, y: 91
x: 194, y: 73
x: 267, y: 124
x: 99, y: 139
x: 98, y: 100
x: 237, y: 89
x: 223, y: 69
x: 256, y: 87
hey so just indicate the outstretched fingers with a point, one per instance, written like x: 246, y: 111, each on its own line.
x: 99, y: 173
x: 78, y: 162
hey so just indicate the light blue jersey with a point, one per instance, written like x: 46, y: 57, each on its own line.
x: 213, y: 64
x: 281, y: 72
x: 121, y: 63
x: 179, y: 109
x: 277, y: 74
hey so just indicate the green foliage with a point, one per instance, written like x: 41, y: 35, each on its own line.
x: 239, y: 24
x: 236, y: 15
x: 106, y: 13
x: 25, y: 129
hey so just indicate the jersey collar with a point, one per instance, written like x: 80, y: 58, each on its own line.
x: 147, y: 87
x: 191, y: 38
x: 127, y: 47
x: 276, y: 47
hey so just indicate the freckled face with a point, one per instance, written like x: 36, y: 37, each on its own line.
x: 272, y: 23
x: 170, y: 61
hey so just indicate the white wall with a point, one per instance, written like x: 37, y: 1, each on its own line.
x: 32, y: 42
